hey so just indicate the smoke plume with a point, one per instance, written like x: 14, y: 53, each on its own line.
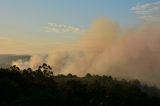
x: 108, y: 49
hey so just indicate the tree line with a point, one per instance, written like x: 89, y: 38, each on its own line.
x: 41, y: 87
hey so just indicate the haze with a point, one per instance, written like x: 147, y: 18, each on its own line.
x: 118, y: 38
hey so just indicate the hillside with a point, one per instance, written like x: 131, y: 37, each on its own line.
x: 41, y: 88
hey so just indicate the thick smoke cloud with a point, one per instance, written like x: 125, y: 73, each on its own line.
x: 107, y: 49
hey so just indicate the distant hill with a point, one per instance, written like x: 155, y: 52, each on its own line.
x: 6, y: 59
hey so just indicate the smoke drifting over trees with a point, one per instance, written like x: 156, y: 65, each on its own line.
x: 106, y: 48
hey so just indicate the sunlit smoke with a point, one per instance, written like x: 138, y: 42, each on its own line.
x: 106, y: 49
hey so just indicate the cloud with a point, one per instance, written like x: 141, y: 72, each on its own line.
x: 148, y: 11
x: 62, y: 28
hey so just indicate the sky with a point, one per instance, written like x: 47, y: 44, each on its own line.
x: 35, y: 26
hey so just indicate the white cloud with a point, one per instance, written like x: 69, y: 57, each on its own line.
x: 54, y: 27
x: 148, y: 11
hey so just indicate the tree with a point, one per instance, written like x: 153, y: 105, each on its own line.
x: 46, y: 70
x: 14, y: 68
x: 88, y: 75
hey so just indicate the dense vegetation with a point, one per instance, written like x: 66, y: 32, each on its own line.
x: 41, y: 88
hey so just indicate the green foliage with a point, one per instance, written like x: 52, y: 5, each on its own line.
x: 41, y: 88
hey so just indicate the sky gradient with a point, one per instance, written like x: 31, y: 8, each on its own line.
x: 35, y: 26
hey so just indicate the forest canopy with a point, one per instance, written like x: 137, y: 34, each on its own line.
x: 41, y: 87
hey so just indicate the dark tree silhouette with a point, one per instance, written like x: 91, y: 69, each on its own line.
x: 14, y: 68
x: 45, y: 69
x: 40, y: 87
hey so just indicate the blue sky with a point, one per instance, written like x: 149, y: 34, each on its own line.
x: 24, y: 21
